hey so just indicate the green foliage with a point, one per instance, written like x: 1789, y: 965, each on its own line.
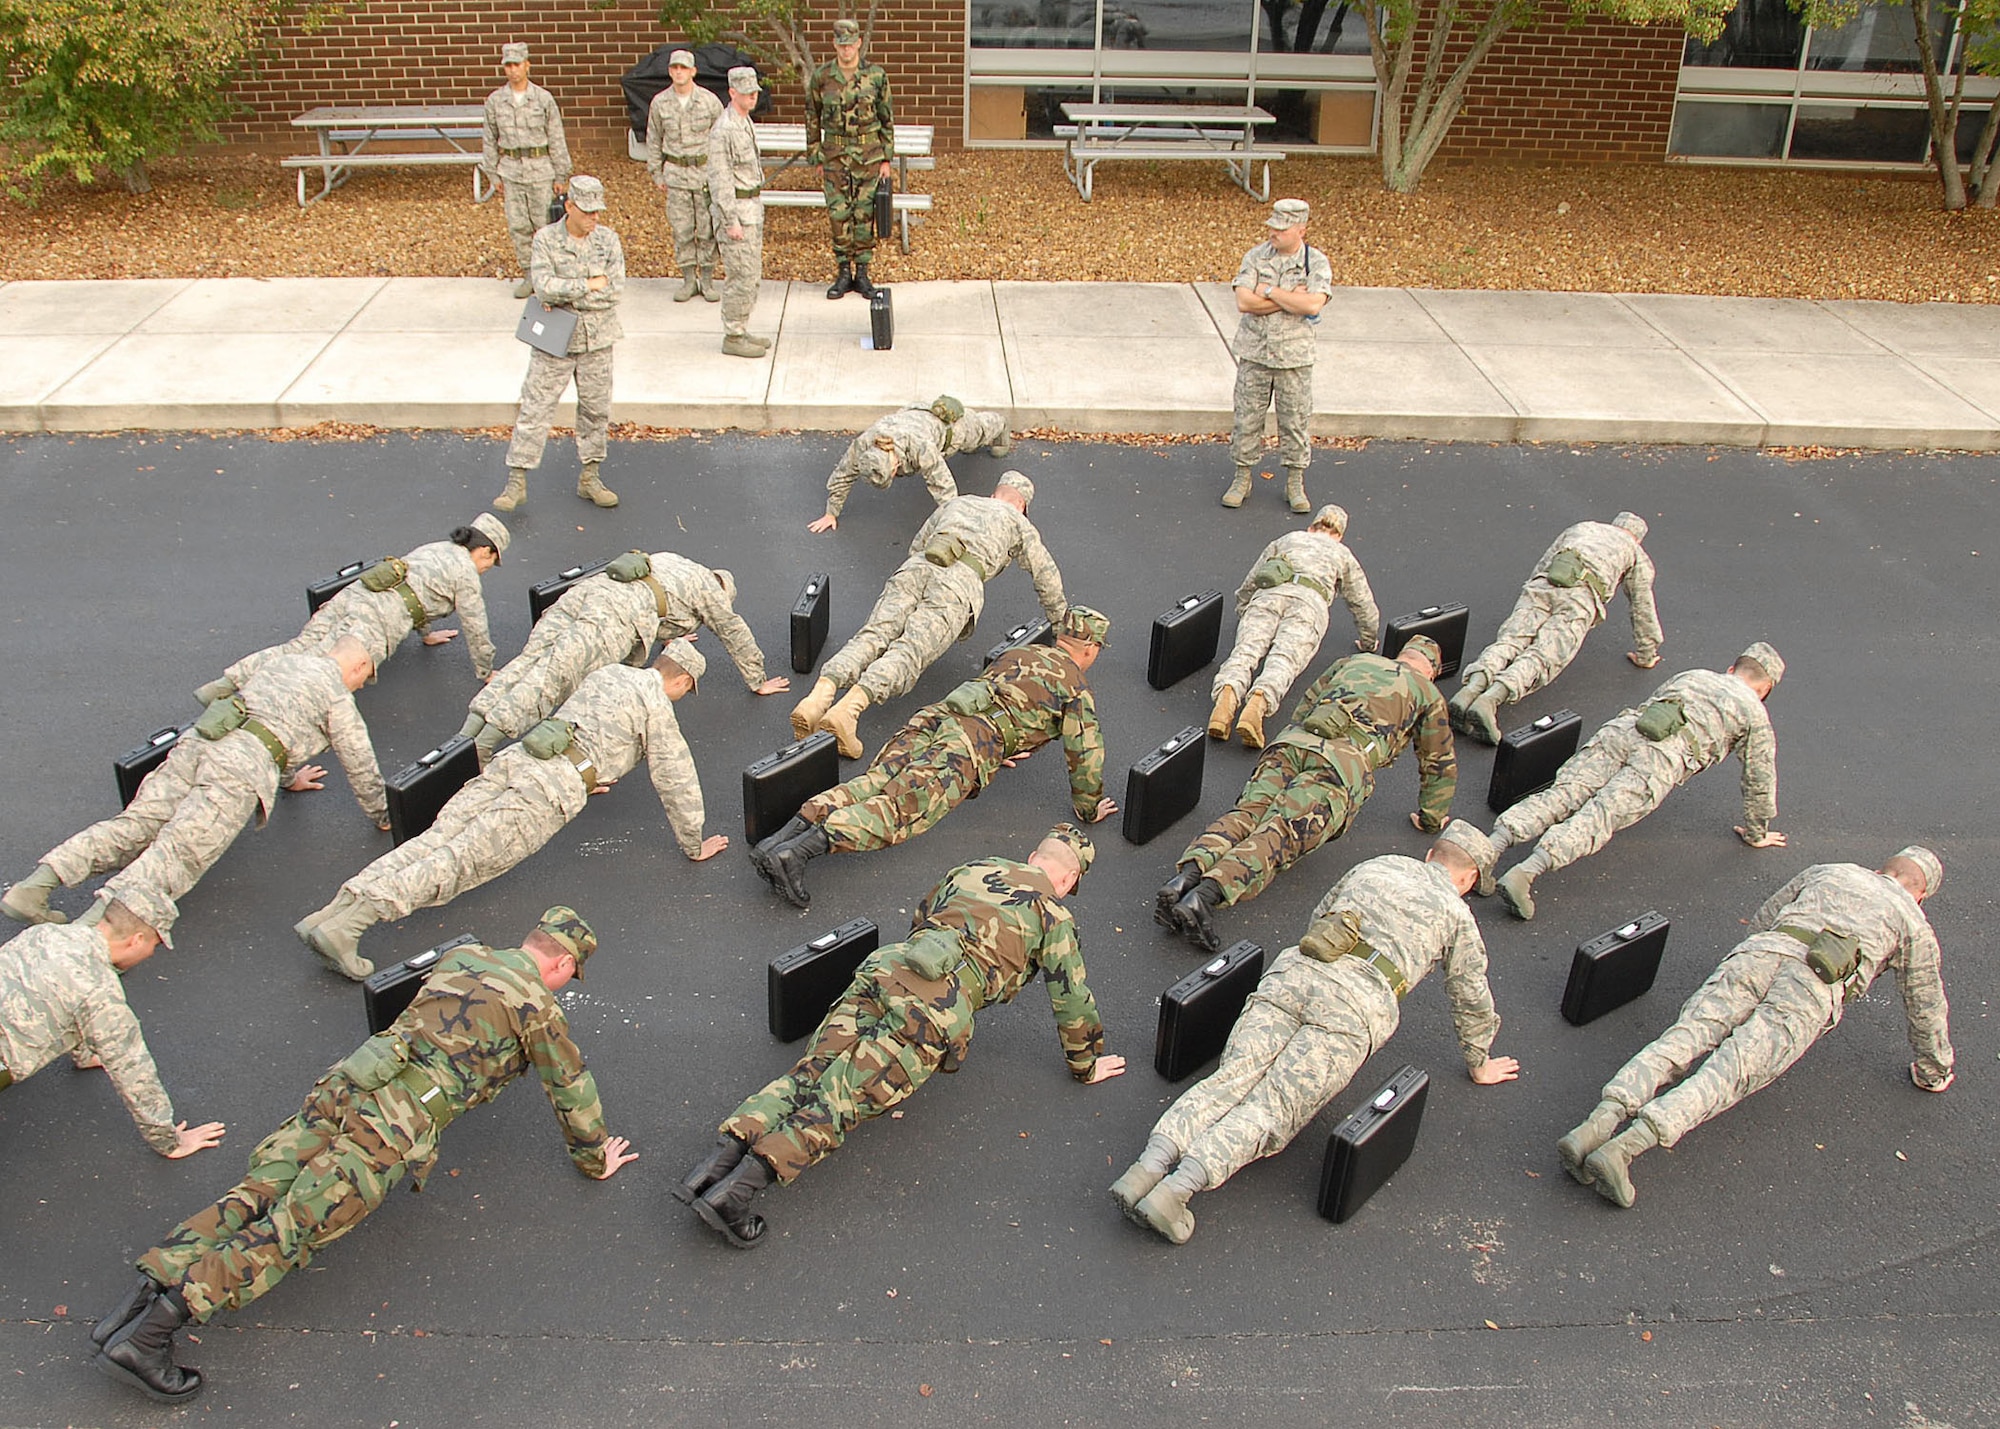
x: 779, y: 32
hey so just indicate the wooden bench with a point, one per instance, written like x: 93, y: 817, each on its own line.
x: 785, y: 144
x: 1083, y: 157
x: 1224, y: 134
x: 346, y: 131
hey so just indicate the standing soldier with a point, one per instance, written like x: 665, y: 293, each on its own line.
x: 484, y: 1017
x: 851, y: 135
x: 1321, y: 1009
x: 978, y: 938
x: 736, y: 189
x: 1816, y: 945
x: 1311, y: 781
x: 579, y: 264
x: 60, y: 993
x: 1562, y: 602
x: 932, y: 600
x: 1281, y: 610
x: 677, y: 126
x: 951, y: 750
x: 914, y: 440
x: 1280, y: 290
x: 1628, y: 768
x: 523, y: 151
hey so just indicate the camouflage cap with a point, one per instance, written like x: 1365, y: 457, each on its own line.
x: 1930, y: 863
x: 1426, y: 647
x: 683, y: 654
x: 1763, y: 654
x: 847, y: 32
x: 1332, y: 516
x: 514, y: 54
x: 1080, y: 622
x: 587, y: 193
x: 494, y: 530
x: 1078, y: 842
x: 1633, y: 522
x: 566, y: 926
x: 948, y: 408
x: 743, y: 79
x: 151, y: 907
x: 1464, y: 835
x: 1289, y: 213
x: 681, y: 57
x: 1019, y: 481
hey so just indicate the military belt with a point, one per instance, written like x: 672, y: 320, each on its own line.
x: 659, y: 591
x: 419, y: 617
x: 6, y: 1079
x: 750, y: 193
x: 252, y: 725
x: 584, y: 767
x: 971, y: 983
x: 1310, y: 584
x: 539, y: 152
x: 1383, y: 964
x: 686, y: 161
x: 966, y: 558
x: 425, y: 1091
x: 1807, y: 936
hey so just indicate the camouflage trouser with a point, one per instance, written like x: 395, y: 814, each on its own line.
x: 378, y: 618
x: 185, y: 816
x: 892, y: 608
x: 881, y: 1041
x: 850, y: 208
x: 975, y: 430
x: 928, y: 768
x: 560, y: 652
x: 1282, y: 627
x: 693, y: 226
x: 526, y: 205
x: 515, y: 805
x: 1302, y: 1036
x: 1294, y: 802
x: 1614, y: 781
x: 310, y: 1182
x: 543, y: 389
x: 1753, y: 1018
x: 1257, y: 388
x: 1537, y: 640
x: 943, y: 612
x: 743, y: 261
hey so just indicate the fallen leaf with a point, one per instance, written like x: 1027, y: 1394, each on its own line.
x: 1491, y: 1326
x: 1104, y: 1342
x: 1901, y: 1157
x: 61, y: 1310
x: 924, y: 1390
x: 1535, y: 1175
x: 1646, y: 1335
x: 892, y: 1295
x: 420, y: 1334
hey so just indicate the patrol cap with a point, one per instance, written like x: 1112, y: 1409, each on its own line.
x: 1426, y: 647
x: 1080, y: 622
x: 565, y: 925
x: 1763, y: 654
x: 494, y: 530
x: 1078, y: 842
x: 683, y: 654
x: 514, y: 54
x: 847, y: 32
x: 157, y: 911
x: 1930, y: 863
x: 587, y: 193
x: 684, y: 58
x: 1019, y: 481
x: 1289, y: 213
x: 1633, y: 522
x: 1466, y: 836
x: 743, y: 79
x: 1332, y: 516
x: 948, y: 408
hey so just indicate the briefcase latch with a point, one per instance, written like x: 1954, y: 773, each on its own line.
x: 1216, y: 968
x: 824, y: 941
x: 1545, y: 721
x: 1385, y: 1100
x: 1630, y: 930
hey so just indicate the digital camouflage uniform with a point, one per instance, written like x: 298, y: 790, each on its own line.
x: 1546, y: 628
x: 922, y: 442
x: 851, y: 132
x: 1620, y: 776
x: 1763, y: 1006
x: 736, y: 189
x: 677, y: 158
x: 1309, y: 1025
x: 441, y: 578
x: 893, y: 1026
x: 518, y: 802
x: 1283, y: 625
x: 523, y: 147
x: 951, y: 750
x: 1312, y: 779
x: 924, y: 608
x: 60, y: 995
x: 483, y: 1018
x: 189, y: 810
x: 1274, y: 357
x: 561, y: 270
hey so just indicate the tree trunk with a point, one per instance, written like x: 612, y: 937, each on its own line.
x: 1407, y: 152
x: 1985, y: 175
x: 1943, y: 112
x: 135, y: 177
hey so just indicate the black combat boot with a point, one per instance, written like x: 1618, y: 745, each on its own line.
x: 761, y: 851
x: 843, y: 282
x: 1194, y: 915
x: 725, y: 1207
x: 141, y: 1353
x: 710, y: 1169
x: 120, y: 1315
x: 788, y: 862
x: 1171, y: 892
x: 861, y: 283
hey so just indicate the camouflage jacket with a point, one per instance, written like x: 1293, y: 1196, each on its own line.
x: 849, y: 121
x: 1022, y: 701
x: 677, y: 137
x: 1724, y: 717
x: 622, y: 615
x: 1323, y: 565
x: 443, y: 579
x: 696, y: 598
x: 534, y: 123
x: 562, y: 269
x: 623, y: 715
x: 735, y: 172
x: 921, y: 444
x: 1377, y: 705
x: 1410, y: 913
x: 1012, y: 925
x: 1614, y: 559
x: 1279, y: 339
x: 59, y: 994
x: 302, y: 700
x: 481, y: 1019
x: 1894, y: 933
x: 996, y: 536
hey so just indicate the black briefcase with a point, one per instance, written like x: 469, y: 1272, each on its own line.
x: 1371, y: 1145
x: 1613, y: 968
x: 1443, y: 623
x: 885, y: 207
x: 387, y: 991
x: 133, y: 768
x: 1184, y: 639
x: 1165, y: 785
x: 881, y: 321
x: 1528, y: 758
x: 1036, y: 632
x: 809, y: 622
x: 417, y: 791
x: 775, y: 786
x: 1197, y: 1012
x: 545, y: 593
x: 804, y: 984
x: 320, y: 592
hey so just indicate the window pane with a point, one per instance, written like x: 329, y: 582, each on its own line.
x: 1033, y: 24
x: 1313, y: 27
x: 1044, y: 106
x: 1860, y: 133
x: 1882, y: 39
x: 1728, y: 131
x: 1177, y: 25
x: 1759, y: 34
x: 1971, y: 120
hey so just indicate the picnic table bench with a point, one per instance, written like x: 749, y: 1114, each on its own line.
x: 1218, y: 133
x: 786, y: 145
x: 346, y: 131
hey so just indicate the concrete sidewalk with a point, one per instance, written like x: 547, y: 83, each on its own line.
x: 1087, y: 357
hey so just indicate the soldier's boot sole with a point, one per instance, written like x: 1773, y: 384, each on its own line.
x: 1586, y: 1136
x: 1250, y: 724
x: 1193, y: 919
x: 1516, y: 891
x: 111, y: 1369
x: 1133, y: 1187
x: 336, y: 937
x: 1574, y: 1153
x: 1610, y: 1175
x: 841, y: 720
x: 1480, y: 721
x: 807, y: 712
x: 1165, y: 1212
x: 31, y: 907
x: 1222, y: 717
x: 1239, y: 489
x: 1003, y: 447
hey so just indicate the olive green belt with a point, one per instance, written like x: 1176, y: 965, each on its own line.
x: 252, y: 725
x: 1310, y: 584
x: 1383, y: 964
x: 750, y: 193
x: 419, y: 617
x: 427, y: 1094
x: 686, y: 161
x: 541, y: 152
x: 1799, y: 935
x: 584, y: 767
